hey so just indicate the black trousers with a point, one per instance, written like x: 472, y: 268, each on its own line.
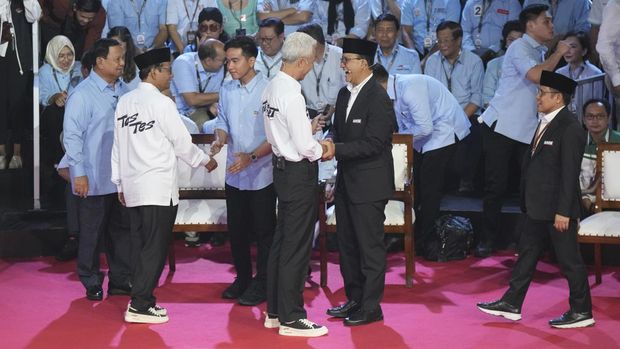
x: 103, y: 221
x: 15, y: 98
x: 151, y: 231
x: 362, y: 251
x: 297, y: 190
x: 469, y: 152
x: 251, y: 211
x: 429, y: 177
x: 73, y: 220
x: 498, y: 151
x: 531, y: 244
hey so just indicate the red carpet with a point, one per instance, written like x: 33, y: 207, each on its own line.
x: 43, y: 306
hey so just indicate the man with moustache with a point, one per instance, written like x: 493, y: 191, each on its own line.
x: 250, y: 196
x: 550, y: 199
x: 148, y: 138
x: 362, y: 143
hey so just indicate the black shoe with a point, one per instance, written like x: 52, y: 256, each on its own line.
x: 69, y: 250
x: 255, y: 294
x: 483, y: 250
x: 118, y: 290
x: 343, y: 310
x: 235, y: 290
x: 94, y: 293
x: 363, y: 317
x: 501, y: 308
x: 217, y: 239
x: 571, y: 319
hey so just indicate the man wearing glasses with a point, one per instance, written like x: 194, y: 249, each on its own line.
x: 270, y: 39
x: 210, y: 26
x: 551, y: 203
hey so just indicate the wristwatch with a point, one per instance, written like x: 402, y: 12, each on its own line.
x: 253, y: 157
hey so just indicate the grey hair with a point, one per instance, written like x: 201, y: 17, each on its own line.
x: 298, y: 45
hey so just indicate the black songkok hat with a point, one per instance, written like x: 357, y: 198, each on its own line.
x: 558, y: 82
x: 153, y: 57
x: 360, y: 47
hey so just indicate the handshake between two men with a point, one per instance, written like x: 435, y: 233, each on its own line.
x: 329, y: 148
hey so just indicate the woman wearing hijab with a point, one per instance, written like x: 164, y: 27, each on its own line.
x: 130, y: 73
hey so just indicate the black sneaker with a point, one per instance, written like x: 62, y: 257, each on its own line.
x: 150, y: 316
x: 254, y: 295
x: 302, y: 328
x: 235, y: 290
x: 501, y: 308
x: 571, y: 319
x: 69, y: 250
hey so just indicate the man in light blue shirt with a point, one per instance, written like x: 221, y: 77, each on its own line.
x: 428, y: 111
x: 197, y: 77
x: 250, y: 196
x: 511, y: 118
x: 294, y: 13
x: 394, y: 58
x: 146, y: 20
x: 568, y: 15
x: 420, y: 18
x: 511, y: 32
x: 88, y: 138
x: 483, y: 20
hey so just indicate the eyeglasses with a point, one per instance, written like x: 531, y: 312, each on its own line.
x: 266, y: 40
x: 205, y: 28
x: 165, y: 69
x: 541, y: 92
x: 346, y: 60
x: 597, y: 117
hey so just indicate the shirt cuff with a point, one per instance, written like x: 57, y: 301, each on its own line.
x: 77, y: 171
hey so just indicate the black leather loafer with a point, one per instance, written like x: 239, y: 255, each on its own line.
x: 362, y: 317
x: 343, y: 310
x: 94, y: 293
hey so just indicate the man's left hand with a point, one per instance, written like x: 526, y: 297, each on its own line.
x: 561, y: 223
x: 243, y: 160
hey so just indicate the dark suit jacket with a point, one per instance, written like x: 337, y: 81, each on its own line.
x: 550, y: 177
x: 364, y: 144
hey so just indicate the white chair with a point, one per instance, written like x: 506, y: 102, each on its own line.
x: 399, y: 216
x: 603, y: 227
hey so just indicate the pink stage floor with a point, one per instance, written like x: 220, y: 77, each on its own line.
x: 43, y: 306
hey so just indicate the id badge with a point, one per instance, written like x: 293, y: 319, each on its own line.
x: 240, y: 32
x: 478, y: 43
x: 191, y: 36
x: 243, y: 18
x: 140, y: 39
x: 428, y: 42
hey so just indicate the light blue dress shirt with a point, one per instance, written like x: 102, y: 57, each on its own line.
x: 378, y: 7
x: 330, y: 78
x: 427, y: 110
x: 240, y: 115
x: 415, y: 14
x: 299, y: 5
x: 570, y: 15
x: 89, y: 131
x: 514, y: 103
x: 52, y: 81
x: 141, y: 17
x: 186, y: 70
x: 491, y: 79
x: 400, y: 61
x: 360, y: 25
x: 463, y: 79
x: 483, y: 20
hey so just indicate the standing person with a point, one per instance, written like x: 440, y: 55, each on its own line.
x: 295, y: 178
x: 483, y: 20
x: 509, y: 121
x: 16, y: 18
x: 148, y: 138
x: 88, y: 136
x: 250, y: 197
x: 551, y: 201
x: 362, y: 143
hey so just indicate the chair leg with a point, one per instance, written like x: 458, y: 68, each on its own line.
x: 597, y: 263
x: 409, y: 263
x: 323, y: 257
x: 172, y: 264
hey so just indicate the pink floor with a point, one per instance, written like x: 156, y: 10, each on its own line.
x: 42, y: 305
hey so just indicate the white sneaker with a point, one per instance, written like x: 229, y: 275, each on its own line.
x: 159, y: 309
x: 271, y: 321
x: 2, y: 162
x: 16, y: 162
x: 150, y: 316
x: 302, y: 328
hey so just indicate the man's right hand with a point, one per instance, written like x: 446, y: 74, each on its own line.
x: 211, y: 165
x: 80, y: 186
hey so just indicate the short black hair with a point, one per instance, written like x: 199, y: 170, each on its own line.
x: 144, y: 72
x: 101, y: 48
x: 88, y: 60
x: 245, y: 43
x: 209, y: 14
x: 380, y: 74
x: 387, y: 17
x: 510, y: 26
x: 315, y: 31
x: 91, y: 6
x: 602, y: 101
x: 583, y: 39
x: 272, y: 22
x: 530, y: 13
x: 457, y: 30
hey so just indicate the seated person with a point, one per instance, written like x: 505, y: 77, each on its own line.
x: 596, y: 113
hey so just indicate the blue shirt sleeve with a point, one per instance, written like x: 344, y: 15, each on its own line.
x: 362, y: 13
x: 417, y: 104
x: 453, y: 11
x: 522, y: 58
x: 184, y: 76
x: 222, y: 118
x: 77, y: 117
x: 47, y: 85
x: 467, y: 23
x: 477, y: 76
x: 115, y: 14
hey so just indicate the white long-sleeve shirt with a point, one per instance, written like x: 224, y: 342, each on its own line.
x: 608, y: 45
x: 33, y: 13
x: 148, y: 137
x: 287, y: 125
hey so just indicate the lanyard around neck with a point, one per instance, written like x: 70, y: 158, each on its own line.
x: 320, y: 74
x: 58, y: 83
x: 445, y: 72
x: 262, y: 56
x: 138, y: 13
x: 191, y: 19
x: 380, y: 56
x: 484, y: 10
x: 200, y: 87
x: 429, y: 12
x: 233, y: 12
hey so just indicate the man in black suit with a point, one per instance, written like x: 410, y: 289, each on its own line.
x: 362, y: 136
x: 550, y: 198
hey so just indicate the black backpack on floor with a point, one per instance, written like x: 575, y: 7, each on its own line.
x: 450, y: 240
